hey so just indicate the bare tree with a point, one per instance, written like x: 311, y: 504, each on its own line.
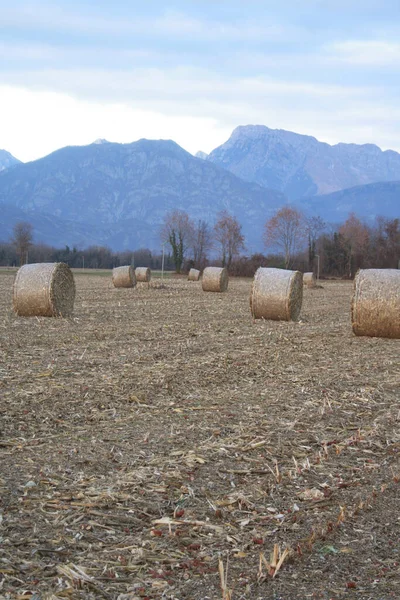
x: 286, y: 230
x: 22, y: 240
x: 177, y: 230
x: 228, y: 234
x: 142, y: 257
x: 201, y: 244
x: 392, y: 235
x: 355, y: 236
x: 314, y: 227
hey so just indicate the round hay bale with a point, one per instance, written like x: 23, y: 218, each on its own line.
x: 375, y: 308
x: 276, y: 294
x: 124, y: 277
x: 309, y: 280
x: 215, y: 279
x: 44, y: 290
x: 143, y: 274
x: 194, y: 275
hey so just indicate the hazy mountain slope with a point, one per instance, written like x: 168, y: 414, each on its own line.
x: 367, y: 201
x: 126, y: 189
x: 48, y: 228
x: 301, y: 166
x: 7, y: 160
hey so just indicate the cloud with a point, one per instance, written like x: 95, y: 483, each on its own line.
x: 39, y: 122
x: 41, y: 54
x: 366, y: 53
x: 55, y: 95
x: 169, y: 23
x: 181, y: 86
x: 203, y: 97
x: 53, y: 108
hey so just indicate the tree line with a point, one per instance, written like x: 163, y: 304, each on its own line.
x: 291, y: 240
x: 195, y: 241
x: 21, y: 249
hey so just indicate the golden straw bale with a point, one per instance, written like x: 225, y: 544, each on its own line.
x: 194, y: 275
x: 124, y: 277
x: 276, y: 294
x: 44, y: 290
x: 215, y: 279
x: 375, y: 308
x: 143, y: 274
x: 309, y: 280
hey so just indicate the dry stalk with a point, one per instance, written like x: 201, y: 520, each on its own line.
x: 276, y: 472
x: 223, y: 574
x: 277, y: 559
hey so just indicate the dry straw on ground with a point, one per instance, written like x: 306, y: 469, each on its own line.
x: 215, y: 279
x: 194, y: 275
x: 276, y: 294
x: 309, y: 280
x: 375, y: 309
x: 44, y: 290
x: 124, y: 277
x: 143, y: 274
x: 140, y: 448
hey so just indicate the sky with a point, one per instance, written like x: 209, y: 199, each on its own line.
x: 72, y: 72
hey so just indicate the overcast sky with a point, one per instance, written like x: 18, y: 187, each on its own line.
x: 71, y: 72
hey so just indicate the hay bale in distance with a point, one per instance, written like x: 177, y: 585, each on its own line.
x: 124, y: 277
x: 44, y: 290
x: 310, y: 280
x: 143, y: 274
x: 276, y: 294
x: 194, y: 275
x: 215, y: 279
x: 375, y: 308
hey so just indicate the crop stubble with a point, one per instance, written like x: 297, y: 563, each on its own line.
x: 160, y: 430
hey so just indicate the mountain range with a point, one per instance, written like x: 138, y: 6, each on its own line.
x: 367, y: 201
x: 299, y: 165
x: 7, y: 160
x: 117, y: 194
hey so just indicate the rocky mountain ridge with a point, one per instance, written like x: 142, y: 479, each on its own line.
x: 299, y: 165
x: 366, y: 201
x: 7, y: 160
x: 118, y: 194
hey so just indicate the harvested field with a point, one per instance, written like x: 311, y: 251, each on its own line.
x: 158, y: 432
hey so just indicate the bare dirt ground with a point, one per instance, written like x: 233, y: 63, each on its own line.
x: 160, y: 434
